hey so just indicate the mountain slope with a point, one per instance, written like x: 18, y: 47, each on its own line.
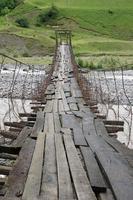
x: 98, y: 26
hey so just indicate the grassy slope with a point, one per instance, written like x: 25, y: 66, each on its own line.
x: 94, y: 29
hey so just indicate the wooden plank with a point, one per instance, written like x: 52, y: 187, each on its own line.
x: 61, y: 108
x: 49, y: 188
x: 49, y: 106
x: 18, y: 175
x: 48, y: 97
x: 113, y: 122
x: 89, y: 126
x: 3, y: 180
x: 57, y: 123
x: 14, y: 124
x: 4, y: 170
x: 73, y: 106
x: 55, y: 106
x: 100, y: 128
x: 114, y: 129
x: 68, y: 121
x: 97, y: 143
x: 9, y: 149
x: 50, y: 122
x: 106, y: 196
x: 32, y: 186
x: 93, y: 170
x: 64, y: 180
x: 9, y: 134
x: 64, y: 100
x: 67, y: 94
x: 8, y: 156
x: 121, y: 148
x: 118, y: 174
x: 26, y: 131
x: 79, y: 139
x: 71, y: 100
x: 39, y: 124
x: 80, y: 180
x: 27, y: 114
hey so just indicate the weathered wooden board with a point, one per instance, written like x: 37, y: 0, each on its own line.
x: 64, y: 100
x: 89, y: 126
x: 18, y: 175
x: 5, y: 170
x: 107, y: 195
x: 95, y: 176
x: 49, y: 106
x: 27, y: 114
x: 97, y: 143
x: 26, y: 131
x: 118, y: 174
x: 71, y: 100
x: 39, y: 124
x: 121, y: 148
x: 73, y: 106
x: 33, y: 183
x: 100, y: 128
x: 9, y: 134
x: 68, y: 121
x: 55, y: 106
x: 8, y: 156
x: 9, y: 149
x: 113, y: 122
x: 50, y: 123
x: 64, y: 180
x: 80, y: 180
x: 61, y: 107
x: 57, y: 123
x: 49, y: 188
x: 49, y: 97
x: 79, y: 139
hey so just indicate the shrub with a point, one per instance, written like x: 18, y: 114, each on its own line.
x: 80, y: 62
x: 23, y: 22
x: 7, y: 5
x: 51, y: 14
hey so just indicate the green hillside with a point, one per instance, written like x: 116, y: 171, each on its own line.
x: 99, y: 27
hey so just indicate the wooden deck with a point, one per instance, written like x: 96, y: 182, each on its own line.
x: 67, y: 154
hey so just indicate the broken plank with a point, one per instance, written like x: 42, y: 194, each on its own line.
x: 80, y: 180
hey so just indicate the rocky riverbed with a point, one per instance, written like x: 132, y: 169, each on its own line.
x: 20, y: 82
